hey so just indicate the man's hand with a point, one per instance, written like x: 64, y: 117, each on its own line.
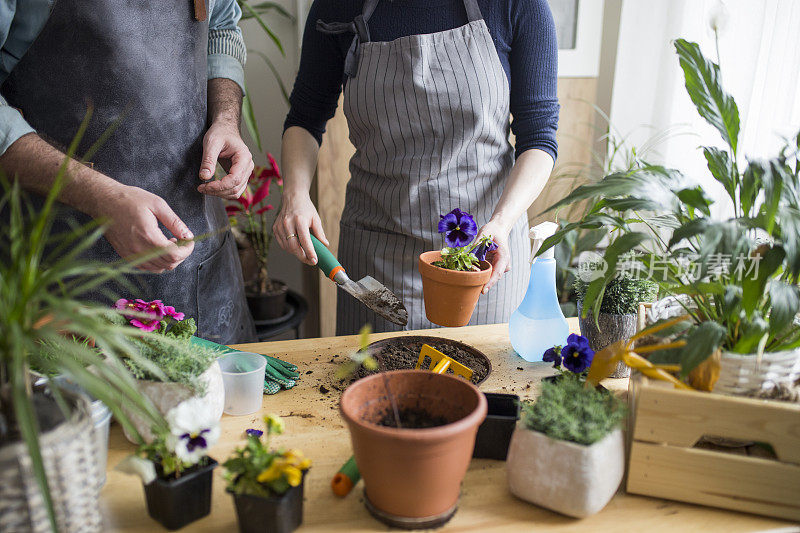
x: 222, y: 142
x: 134, y: 214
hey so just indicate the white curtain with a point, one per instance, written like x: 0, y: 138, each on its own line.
x: 760, y: 61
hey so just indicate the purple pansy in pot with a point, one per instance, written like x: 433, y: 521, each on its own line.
x: 553, y: 355
x: 459, y: 228
x: 577, y: 355
x: 485, y: 245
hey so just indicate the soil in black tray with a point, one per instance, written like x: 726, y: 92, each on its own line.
x: 411, y: 418
x: 405, y: 356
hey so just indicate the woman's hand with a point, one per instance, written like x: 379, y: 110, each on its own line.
x: 499, y: 258
x: 293, y: 226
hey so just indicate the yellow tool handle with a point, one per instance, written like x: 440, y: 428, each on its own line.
x: 442, y: 366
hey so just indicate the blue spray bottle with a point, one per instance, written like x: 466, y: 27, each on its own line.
x: 538, y: 323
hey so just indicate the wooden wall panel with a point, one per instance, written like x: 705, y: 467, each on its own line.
x: 576, y: 136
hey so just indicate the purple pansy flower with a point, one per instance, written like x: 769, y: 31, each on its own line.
x: 553, y: 355
x: 254, y: 432
x: 484, y: 248
x: 577, y: 355
x: 459, y: 228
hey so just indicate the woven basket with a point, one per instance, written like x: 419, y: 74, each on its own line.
x: 747, y: 374
x: 73, y: 476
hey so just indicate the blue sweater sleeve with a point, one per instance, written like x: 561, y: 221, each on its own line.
x: 533, y: 60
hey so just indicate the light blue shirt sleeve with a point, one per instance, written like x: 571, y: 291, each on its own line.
x: 226, y: 50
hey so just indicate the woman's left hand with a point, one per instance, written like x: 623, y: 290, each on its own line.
x: 499, y: 258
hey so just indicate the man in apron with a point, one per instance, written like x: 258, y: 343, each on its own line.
x: 143, y: 68
x: 428, y: 114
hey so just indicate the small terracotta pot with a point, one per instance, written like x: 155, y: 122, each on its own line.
x: 450, y: 295
x: 413, y: 476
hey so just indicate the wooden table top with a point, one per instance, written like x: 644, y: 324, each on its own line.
x: 313, y: 425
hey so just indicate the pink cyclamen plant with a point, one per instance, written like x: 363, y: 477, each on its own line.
x: 155, y: 310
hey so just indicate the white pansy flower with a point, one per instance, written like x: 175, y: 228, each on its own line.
x: 138, y: 466
x: 193, y: 430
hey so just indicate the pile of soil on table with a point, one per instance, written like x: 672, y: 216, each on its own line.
x: 404, y: 356
x: 412, y: 418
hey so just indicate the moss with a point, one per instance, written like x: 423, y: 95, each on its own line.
x: 567, y: 410
x: 622, y: 294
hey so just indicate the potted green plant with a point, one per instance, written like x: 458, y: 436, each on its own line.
x: 617, y: 319
x: 568, y: 453
x: 735, y: 277
x: 45, y: 322
x: 413, y: 434
x: 266, y: 297
x: 175, y: 368
x: 267, y: 485
x: 453, y: 277
x: 175, y: 467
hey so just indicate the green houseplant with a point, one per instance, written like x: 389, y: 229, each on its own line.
x: 266, y: 484
x: 617, y: 319
x: 568, y: 453
x: 735, y: 277
x: 42, y: 429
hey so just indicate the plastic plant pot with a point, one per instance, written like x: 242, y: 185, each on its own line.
x: 176, y: 502
x: 243, y: 377
x: 494, y: 434
x: 277, y: 514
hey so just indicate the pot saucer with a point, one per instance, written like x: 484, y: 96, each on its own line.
x: 405, y: 522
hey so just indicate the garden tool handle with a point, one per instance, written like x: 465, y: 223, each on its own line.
x: 346, y: 478
x: 327, y: 262
x: 442, y: 366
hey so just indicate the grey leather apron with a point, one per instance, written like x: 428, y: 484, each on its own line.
x: 144, y: 63
x: 429, y: 117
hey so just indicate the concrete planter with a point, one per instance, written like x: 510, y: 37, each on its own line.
x: 165, y: 396
x: 562, y: 476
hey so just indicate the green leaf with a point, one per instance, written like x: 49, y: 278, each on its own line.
x: 785, y: 304
x: 696, y: 198
x: 248, y: 9
x: 249, y: 117
x: 700, y: 344
x: 753, y: 286
x: 752, y: 335
x: 275, y: 72
x: 703, y: 84
x: 688, y: 230
x: 265, y: 7
x: 751, y: 186
x: 723, y: 169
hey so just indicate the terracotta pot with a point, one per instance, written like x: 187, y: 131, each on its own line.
x: 450, y: 295
x: 413, y: 476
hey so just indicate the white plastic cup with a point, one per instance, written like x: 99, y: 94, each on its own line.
x: 243, y: 378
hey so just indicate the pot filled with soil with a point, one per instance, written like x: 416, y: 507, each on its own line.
x: 450, y: 295
x: 269, y: 303
x: 402, y: 353
x: 281, y: 513
x: 412, y: 473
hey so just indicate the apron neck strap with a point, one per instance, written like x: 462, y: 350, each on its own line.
x: 473, y: 11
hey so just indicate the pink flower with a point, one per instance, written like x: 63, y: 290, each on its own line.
x: 123, y: 304
x: 151, y: 325
x: 171, y: 312
x: 155, y: 308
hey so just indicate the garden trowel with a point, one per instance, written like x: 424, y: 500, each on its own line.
x: 367, y: 290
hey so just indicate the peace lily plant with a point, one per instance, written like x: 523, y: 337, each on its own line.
x: 734, y: 277
x: 452, y: 278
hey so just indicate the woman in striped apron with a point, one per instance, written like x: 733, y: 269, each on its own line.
x: 429, y: 87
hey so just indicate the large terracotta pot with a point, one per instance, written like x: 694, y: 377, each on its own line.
x: 450, y: 295
x: 413, y: 476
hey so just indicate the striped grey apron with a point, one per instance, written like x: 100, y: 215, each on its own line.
x: 429, y: 117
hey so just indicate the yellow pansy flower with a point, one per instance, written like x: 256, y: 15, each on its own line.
x: 273, y: 472
x: 274, y: 424
x: 293, y: 475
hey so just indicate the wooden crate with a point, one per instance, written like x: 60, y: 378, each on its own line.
x: 663, y: 462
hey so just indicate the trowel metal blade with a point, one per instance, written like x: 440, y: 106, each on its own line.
x: 377, y: 297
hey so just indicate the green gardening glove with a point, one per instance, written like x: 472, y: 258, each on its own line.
x: 278, y: 374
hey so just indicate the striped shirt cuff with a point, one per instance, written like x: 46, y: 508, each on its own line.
x: 12, y: 126
x: 226, y: 55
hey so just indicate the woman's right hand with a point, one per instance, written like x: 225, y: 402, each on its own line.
x: 293, y: 226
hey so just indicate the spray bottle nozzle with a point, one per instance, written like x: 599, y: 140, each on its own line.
x: 539, y: 234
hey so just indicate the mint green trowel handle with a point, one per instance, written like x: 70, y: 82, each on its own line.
x: 327, y: 262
